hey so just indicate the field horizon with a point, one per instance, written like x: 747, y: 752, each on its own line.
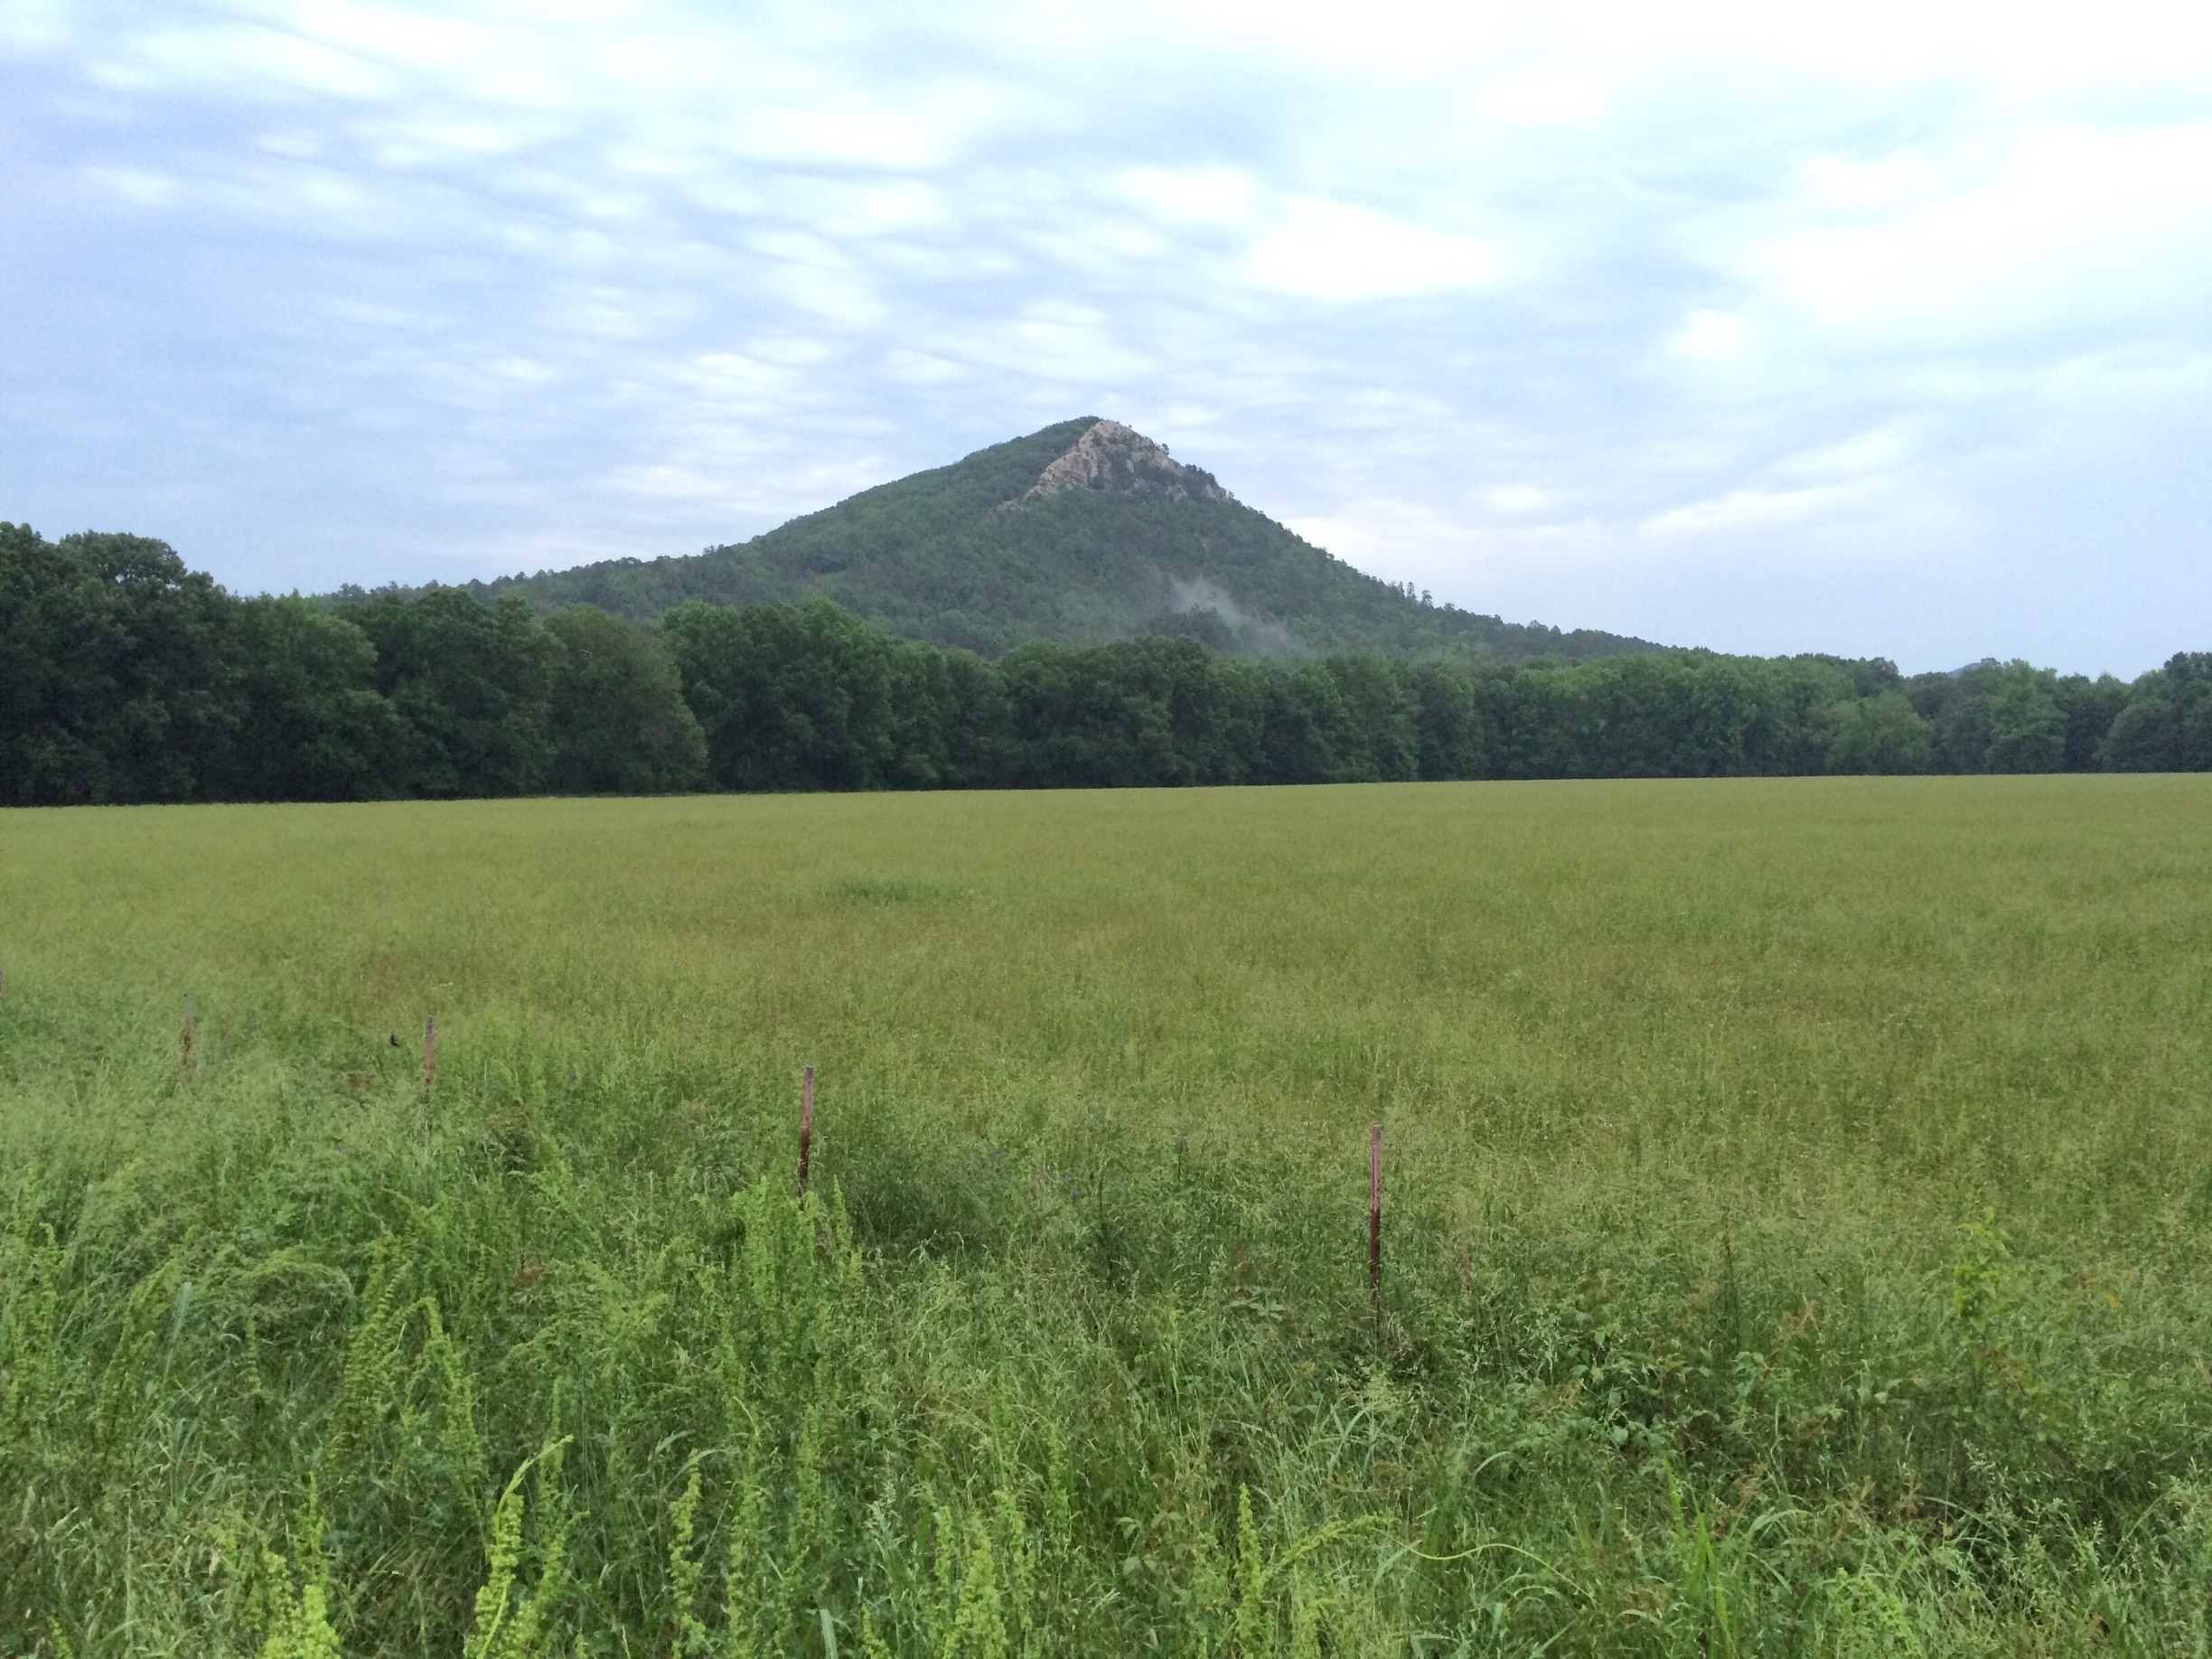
x: 1796, y: 1202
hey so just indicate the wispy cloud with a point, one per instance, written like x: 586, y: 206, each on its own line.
x: 1716, y: 323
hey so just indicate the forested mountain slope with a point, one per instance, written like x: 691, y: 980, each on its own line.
x: 1083, y: 533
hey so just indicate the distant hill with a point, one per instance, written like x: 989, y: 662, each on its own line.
x: 1084, y: 532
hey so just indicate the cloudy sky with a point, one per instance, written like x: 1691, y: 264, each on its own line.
x: 1886, y: 332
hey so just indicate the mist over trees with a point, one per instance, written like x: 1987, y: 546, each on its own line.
x: 125, y: 677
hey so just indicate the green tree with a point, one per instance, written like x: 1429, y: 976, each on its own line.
x: 312, y: 726
x: 951, y: 726
x: 473, y: 684
x: 1447, y: 721
x: 1673, y: 715
x: 621, y: 726
x: 1544, y: 723
x: 1883, y: 734
x: 2167, y: 724
x: 55, y: 642
x: 790, y: 696
x: 2027, y: 725
x: 1382, y: 710
x: 1158, y: 711
x: 116, y: 670
x: 1304, y: 727
x: 1789, y: 731
x: 2092, y: 707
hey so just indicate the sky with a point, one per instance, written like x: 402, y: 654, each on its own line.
x: 1882, y: 329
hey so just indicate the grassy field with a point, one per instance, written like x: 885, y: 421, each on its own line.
x: 1798, y: 1205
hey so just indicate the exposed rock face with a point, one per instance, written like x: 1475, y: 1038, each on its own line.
x: 1112, y: 456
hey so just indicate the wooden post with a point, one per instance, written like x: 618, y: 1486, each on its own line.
x: 806, y: 1129
x: 429, y: 1057
x: 187, y: 1034
x: 1374, y: 1215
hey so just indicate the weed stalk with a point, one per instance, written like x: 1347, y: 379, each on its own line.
x: 1374, y: 1216
x: 806, y: 1127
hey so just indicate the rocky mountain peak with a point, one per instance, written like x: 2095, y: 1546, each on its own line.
x: 1113, y: 457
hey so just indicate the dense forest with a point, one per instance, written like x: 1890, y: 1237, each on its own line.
x: 1083, y: 533
x: 124, y: 677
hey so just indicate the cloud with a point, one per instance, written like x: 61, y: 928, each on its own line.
x: 1599, y: 313
x: 1340, y: 251
x: 1216, y: 198
x: 139, y: 186
x: 1757, y: 509
x: 2060, y: 228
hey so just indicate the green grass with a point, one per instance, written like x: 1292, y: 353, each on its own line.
x: 1798, y: 1202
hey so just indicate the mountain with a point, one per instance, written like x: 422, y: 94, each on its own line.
x: 1084, y: 532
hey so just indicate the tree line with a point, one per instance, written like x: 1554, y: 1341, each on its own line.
x: 125, y: 677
